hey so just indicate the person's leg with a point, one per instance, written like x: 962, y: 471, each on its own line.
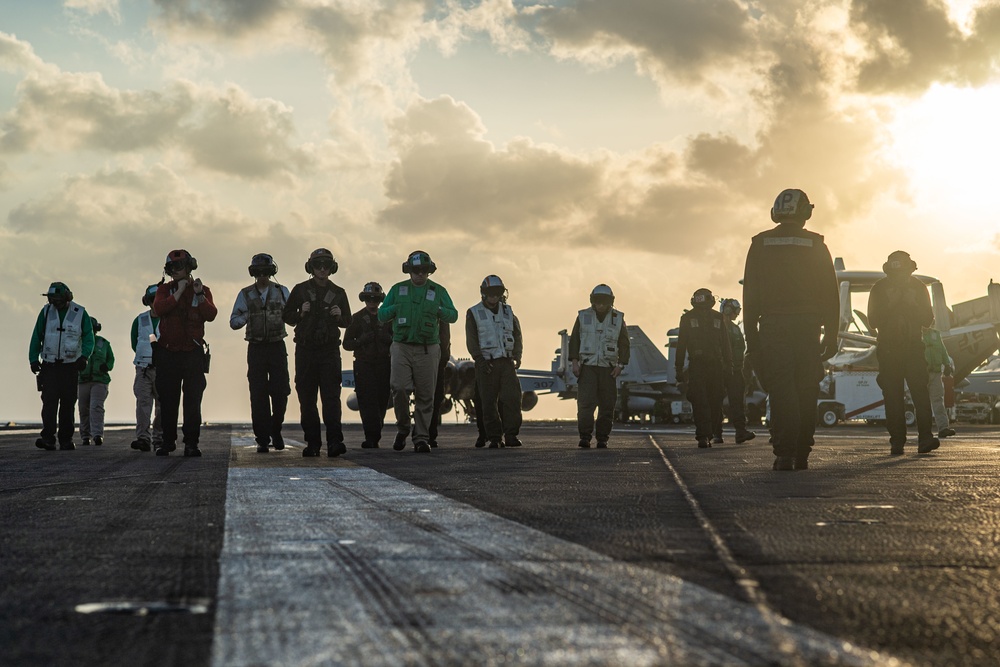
x: 891, y: 377
x: 935, y: 391
x: 50, y: 404
x: 98, y: 396
x: 307, y: 390
x: 278, y: 388
x: 808, y: 373
x: 83, y: 400
x: 142, y: 389
x: 510, y: 401
x: 330, y: 378
x: 607, y: 396
x: 586, y: 402
x: 68, y: 384
x: 425, y: 375
x: 401, y: 384
x: 194, y: 388
x: 168, y: 386
x: 915, y: 369
x: 260, y: 399
x: 488, y: 384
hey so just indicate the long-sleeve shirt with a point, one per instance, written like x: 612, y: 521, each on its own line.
x: 899, y: 309
x: 38, y: 334
x: 183, y: 316
x: 624, y: 345
x: 472, y: 336
x: 317, y: 328
x: 415, y: 312
x: 703, y: 339
x: 100, y: 363
x: 368, y: 338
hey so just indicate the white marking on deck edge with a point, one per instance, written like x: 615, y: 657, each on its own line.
x: 348, y: 566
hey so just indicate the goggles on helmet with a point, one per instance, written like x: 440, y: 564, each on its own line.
x: 494, y: 291
x: 176, y: 265
x: 324, y: 264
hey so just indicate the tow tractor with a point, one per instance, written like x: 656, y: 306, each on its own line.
x: 853, y: 395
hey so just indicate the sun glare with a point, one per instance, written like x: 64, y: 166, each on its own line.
x: 948, y: 142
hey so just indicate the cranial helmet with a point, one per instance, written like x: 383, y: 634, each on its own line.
x: 602, y: 293
x: 791, y: 206
x: 419, y: 258
x: 703, y: 298
x: 492, y: 286
x: 899, y: 262
x: 319, y: 255
x: 372, y: 291
x: 149, y: 295
x: 95, y: 324
x: 180, y: 258
x: 730, y: 306
x: 59, y: 292
x: 262, y: 264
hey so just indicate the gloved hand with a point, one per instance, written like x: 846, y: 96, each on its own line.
x: 81, y: 364
x: 948, y: 371
x: 682, y: 375
x: 488, y: 364
x: 828, y: 347
x: 103, y: 368
x: 366, y: 338
x: 36, y: 367
x: 517, y: 363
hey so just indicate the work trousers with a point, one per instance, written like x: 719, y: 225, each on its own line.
x: 705, y: 392
x: 595, y: 389
x: 902, y: 365
x: 371, y: 386
x: 59, y: 382
x: 92, y: 396
x: 935, y: 392
x: 500, y: 391
x: 734, y: 390
x: 789, y: 367
x: 177, y: 373
x: 319, y: 370
x: 146, y: 399
x: 414, y: 370
x: 267, y: 374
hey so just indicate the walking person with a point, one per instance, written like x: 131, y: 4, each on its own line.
x: 939, y: 367
x: 899, y: 308
x: 733, y: 381
x: 416, y: 306
x: 183, y: 305
x: 144, y: 334
x: 444, y: 334
x: 370, y: 341
x: 259, y: 308
x: 703, y: 341
x: 92, y: 389
x: 598, y: 350
x: 790, y: 296
x: 63, y: 340
x: 318, y: 309
x: 493, y: 338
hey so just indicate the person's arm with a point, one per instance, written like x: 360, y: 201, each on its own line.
x: 446, y: 309
x: 831, y: 303
x: 37, y: 338
x: 353, y: 334
x: 87, y: 348
x: 624, y: 345
x: 875, y: 308
x: 110, y: 361
x: 472, y: 337
x: 751, y: 301
x: 164, y: 301
x: 387, y: 310
x: 206, y: 306
x: 926, y: 312
x: 344, y: 320
x: 727, y: 346
x: 238, y: 318
x: 681, y: 349
x: 519, y: 342
x: 134, y: 334
x: 291, y: 313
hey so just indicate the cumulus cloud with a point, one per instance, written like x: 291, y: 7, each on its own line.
x: 226, y: 131
x: 92, y: 7
x: 911, y: 45
x: 17, y: 56
x: 678, y: 40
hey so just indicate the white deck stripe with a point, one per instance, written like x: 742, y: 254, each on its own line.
x: 347, y: 566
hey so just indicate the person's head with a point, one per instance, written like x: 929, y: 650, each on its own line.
x: 419, y: 265
x: 321, y: 264
x: 492, y: 290
x: 703, y: 298
x: 372, y: 295
x: 95, y: 324
x: 149, y: 295
x: 899, y: 266
x: 59, y: 295
x: 262, y: 266
x: 730, y: 308
x: 179, y: 264
x: 791, y: 207
x: 602, y: 298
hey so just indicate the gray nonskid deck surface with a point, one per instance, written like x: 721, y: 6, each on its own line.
x: 345, y: 565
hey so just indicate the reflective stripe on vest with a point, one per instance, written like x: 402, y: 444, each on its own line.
x: 143, y: 348
x: 63, y: 341
x: 496, y: 330
x: 599, y: 340
x: 264, y: 323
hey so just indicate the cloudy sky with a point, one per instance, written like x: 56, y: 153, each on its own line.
x: 558, y: 144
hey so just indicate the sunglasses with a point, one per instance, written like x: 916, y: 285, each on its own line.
x: 174, y: 267
x: 322, y: 264
x: 419, y: 270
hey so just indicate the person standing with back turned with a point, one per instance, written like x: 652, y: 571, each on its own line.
x: 790, y: 295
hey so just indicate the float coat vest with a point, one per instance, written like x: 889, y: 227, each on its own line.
x: 599, y: 340
x: 264, y: 323
x: 63, y: 340
x: 496, y: 330
x: 143, y: 348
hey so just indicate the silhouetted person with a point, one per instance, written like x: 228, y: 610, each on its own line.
x: 370, y: 339
x: 702, y: 341
x: 735, y: 380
